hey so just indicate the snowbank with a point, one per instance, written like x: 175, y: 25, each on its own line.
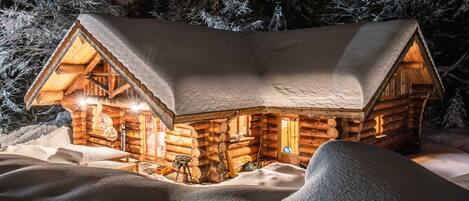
x: 338, y: 171
x: 442, y: 160
x: 351, y: 171
x: 273, y: 175
x: 24, y: 178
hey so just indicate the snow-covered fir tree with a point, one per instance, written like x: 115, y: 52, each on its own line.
x: 234, y: 16
x: 29, y: 32
x: 456, y: 115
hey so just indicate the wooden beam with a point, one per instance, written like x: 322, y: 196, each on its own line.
x: 98, y: 84
x: 81, y: 80
x: 119, y: 90
x: 70, y: 69
x: 111, y: 79
x: 412, y: 65
x: 49, y: 96
x: 422, y: 88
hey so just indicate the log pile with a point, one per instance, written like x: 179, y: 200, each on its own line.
x: 95, y: 132
x: 185, y: 140
x: 314, y: 132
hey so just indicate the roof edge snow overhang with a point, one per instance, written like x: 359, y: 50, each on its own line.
x: 157, y: 107
x: 417, y: 36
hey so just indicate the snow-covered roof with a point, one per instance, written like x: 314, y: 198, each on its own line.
x: 194, y: 70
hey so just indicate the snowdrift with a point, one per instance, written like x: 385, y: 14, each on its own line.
x: 342, y: 170
x: 338, y: 171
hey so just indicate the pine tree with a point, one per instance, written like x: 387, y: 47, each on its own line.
x: 456, y: 113
x: 29, y: 32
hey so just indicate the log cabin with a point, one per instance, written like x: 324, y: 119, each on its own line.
x: 159, y: 89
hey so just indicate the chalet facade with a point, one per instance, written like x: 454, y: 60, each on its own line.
x: 228, y: 98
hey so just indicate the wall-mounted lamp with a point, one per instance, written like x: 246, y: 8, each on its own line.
x: 135, y: 107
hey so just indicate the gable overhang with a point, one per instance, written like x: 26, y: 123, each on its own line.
x: 417, y: 37
x: 157, y: 107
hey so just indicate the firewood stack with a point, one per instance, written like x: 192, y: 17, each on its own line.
x: 314, y: 132
x: 185, y: 140
x: 93, y: 128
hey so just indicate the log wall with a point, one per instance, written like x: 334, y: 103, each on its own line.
x: 314, y: 132
x: 95, y: 131
x: 79, y: 126
x: 267, y: 126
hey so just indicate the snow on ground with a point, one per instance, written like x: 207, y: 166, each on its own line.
x: 272, y: 175
x: 445, y: 152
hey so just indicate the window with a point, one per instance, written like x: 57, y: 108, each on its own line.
x: 155, y: 135
x: 290, y: 135
x: 239, y: 127
x: 379, y: 126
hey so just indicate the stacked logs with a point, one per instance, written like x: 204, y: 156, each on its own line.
x: 79, y: 126
x: 213, y: 140
x: 95, y: 133
x: 393, y: 114
x: 135, y: 134
x: 185, y: 140
x: 314, y: 132
x: 267, y: 126
x: 241, y: 152
x: 358, y: 131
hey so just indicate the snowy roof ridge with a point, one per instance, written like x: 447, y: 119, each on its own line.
x: 196, y: 70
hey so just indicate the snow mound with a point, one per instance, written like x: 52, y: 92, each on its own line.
x: 24, y: 178
x: 342, y: 170
x: 273, y: 175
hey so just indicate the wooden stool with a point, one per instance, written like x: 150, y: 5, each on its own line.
x: 182, y: 161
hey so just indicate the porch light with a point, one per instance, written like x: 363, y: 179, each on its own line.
x: 135, y: 107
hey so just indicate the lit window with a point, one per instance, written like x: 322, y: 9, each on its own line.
x: 379, y: 126
x: 239, y: 126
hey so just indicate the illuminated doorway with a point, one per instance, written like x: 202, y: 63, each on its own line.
x: 289, y: 138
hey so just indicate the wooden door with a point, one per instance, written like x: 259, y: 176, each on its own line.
x: 289, y: 138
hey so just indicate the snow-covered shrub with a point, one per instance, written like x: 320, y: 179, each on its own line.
x: 455, y: 116
x: 29, y: 32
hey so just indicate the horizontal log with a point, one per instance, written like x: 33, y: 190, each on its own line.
x: 244, y: 142
x: 270, y: 144
x: 217, y: 138
x: 271, y: 137
x: 243, y: 151
x: 64, y: 69
x: 305, y: 140
x: 134, y: 134
x: 134, y: 141
x: 215, y: 127
x: 136, y: 149
x: 185, y: 141
x: 329, y: 133
x: 367, y: 133
x: 304, y: 159
x: 195, y: 152
x: 368, y: 140
x: 242, y: 160
x: 115, y: 144
x: 393, y: 126
x: 49, y: 96
x: 357, y: 127
x: 270, y: 153
x: 314, y: 124
x: 307, y: 149
x: 389, y: 111
x: 390, y: 103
